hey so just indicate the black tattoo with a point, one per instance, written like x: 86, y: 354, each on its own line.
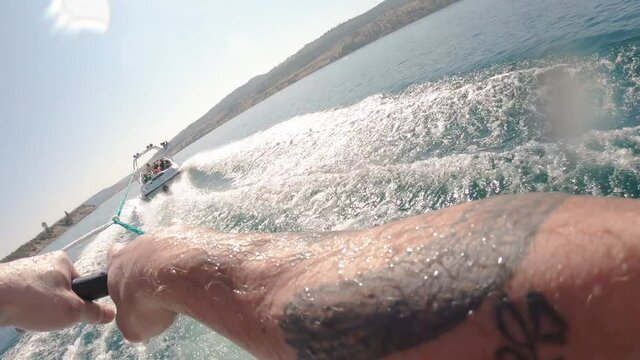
x: 426, y: 291
x: 545, y: 326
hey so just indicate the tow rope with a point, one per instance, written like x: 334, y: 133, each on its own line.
x: 95, y: 286
x: 115, y: 220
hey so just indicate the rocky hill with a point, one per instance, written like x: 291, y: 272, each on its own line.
x: 338, y: 42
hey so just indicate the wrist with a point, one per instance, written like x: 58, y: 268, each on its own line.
x: 190, y: 275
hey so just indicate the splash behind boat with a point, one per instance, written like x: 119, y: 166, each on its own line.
x: 157, y: 174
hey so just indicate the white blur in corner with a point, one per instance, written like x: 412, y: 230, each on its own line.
x: 80, y: 15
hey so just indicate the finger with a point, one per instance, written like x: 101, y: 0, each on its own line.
x: 97, y: 313
x: 143, y: 324
x: 126, y: 325
x: 60, y: 256
x: 64, y: 265
x: 114, y: 250
x: 73, y: 271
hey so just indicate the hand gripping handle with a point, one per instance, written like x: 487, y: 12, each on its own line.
x: 92, y: 287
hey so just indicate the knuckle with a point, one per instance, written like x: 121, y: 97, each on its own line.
x: 61, y: 257
x: 114, y: 251
x: 61, y: 275
x: 60, y: 278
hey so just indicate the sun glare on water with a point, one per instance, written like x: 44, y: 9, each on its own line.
x: 80, y: 15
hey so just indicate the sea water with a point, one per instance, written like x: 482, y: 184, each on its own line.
x: 485, y: 97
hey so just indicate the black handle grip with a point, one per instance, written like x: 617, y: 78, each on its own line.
x: 92, y: 287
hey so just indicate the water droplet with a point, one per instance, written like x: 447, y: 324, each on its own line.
x: 470, y: 313
x: 409, y: 250
x: 426, y: 277
x: 391, y: 265
x: 436, y: 273
x: 500, y: 260
x: 463, y: 254
x: 239, y: 292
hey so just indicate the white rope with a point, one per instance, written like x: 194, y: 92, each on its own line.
x: 87, y: 236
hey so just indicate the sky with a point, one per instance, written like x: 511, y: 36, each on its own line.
x: 84, y: 84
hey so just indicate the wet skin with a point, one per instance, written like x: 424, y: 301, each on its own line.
x: 537, y: 276
x: 35, y: 295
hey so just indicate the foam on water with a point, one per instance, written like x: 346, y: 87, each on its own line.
x: 435, y: 145
x: 500, y: 130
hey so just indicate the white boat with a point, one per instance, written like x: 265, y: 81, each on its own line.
x: 156, y: 175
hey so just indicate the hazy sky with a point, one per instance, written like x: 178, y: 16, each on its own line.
x: 86, y: 83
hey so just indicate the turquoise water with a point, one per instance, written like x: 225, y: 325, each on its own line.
x: 482, y: 98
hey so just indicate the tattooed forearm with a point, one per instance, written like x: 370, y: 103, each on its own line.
x: 426, y: 291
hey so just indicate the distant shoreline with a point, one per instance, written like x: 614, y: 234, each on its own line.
x: 42, y: 240
x: 342, y: 40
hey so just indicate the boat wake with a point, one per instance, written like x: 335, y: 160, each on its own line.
x: 570, y: 125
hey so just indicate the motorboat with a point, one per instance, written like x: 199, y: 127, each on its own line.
x: 157, y: 173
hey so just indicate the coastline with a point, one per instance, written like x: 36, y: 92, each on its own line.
x: 342, y: 40
x: 43, y: 239
x: 335, y: 44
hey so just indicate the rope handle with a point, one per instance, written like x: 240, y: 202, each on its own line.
x: 93, y: 287
x: 131, y: 228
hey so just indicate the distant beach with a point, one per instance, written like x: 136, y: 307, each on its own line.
x: 53, y: 232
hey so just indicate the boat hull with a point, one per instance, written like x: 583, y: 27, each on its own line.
x: 158, y: 181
